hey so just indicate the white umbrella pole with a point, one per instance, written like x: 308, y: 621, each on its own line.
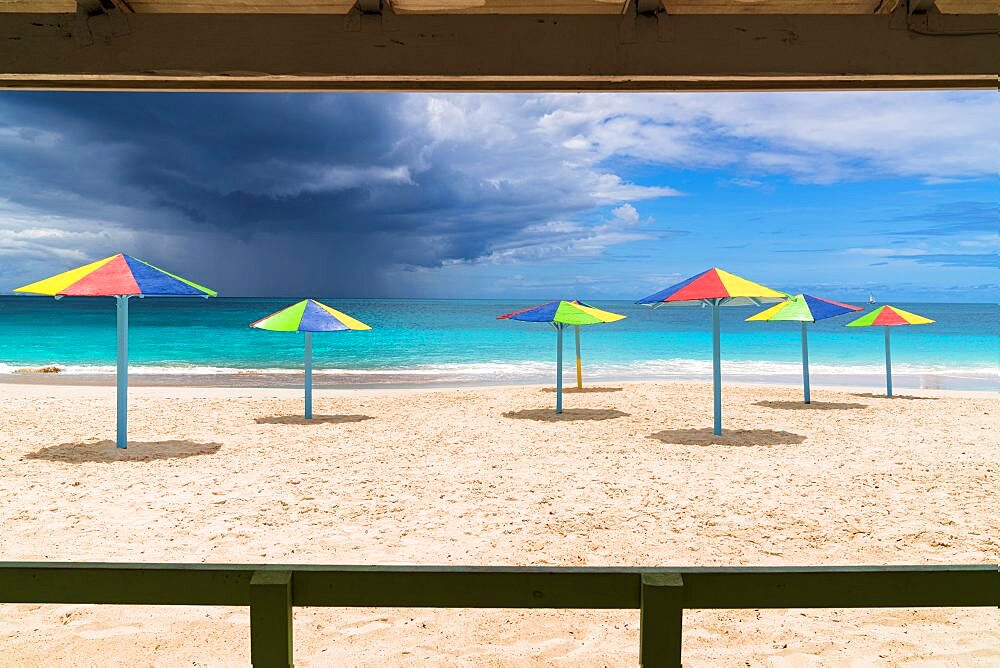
x: 805, y: 363
x: 559, y: 356
x: 121, y: 438
x: 309, y: 375
x: 579, y: 364
x: 716, y: 370
x: 888, y: 365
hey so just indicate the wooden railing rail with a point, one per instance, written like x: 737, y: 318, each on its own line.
x: 661, y: 594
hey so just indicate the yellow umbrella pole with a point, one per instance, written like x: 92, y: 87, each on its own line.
x: 579, y: 366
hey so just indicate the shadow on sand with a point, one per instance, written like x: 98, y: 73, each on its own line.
x: 583, y: 390
x: 814, y: 406
x: 568, y: 415
x: 316, y: 419
x: 736, y: 437
x: 105, y: 451
x: 870, y: 395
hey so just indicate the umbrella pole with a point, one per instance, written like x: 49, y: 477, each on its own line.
x: 559, y: 356
x: 805, y: 363
x: 888, y: 365
x: 309, y: 376
x: 579, y: 365
x: 716, y: 370
x: 121, y: 438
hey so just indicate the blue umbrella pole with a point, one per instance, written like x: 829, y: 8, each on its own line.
x: 121, y: 438
x: 559, y: 355
x: 805, y: 363
x: 309, y: 375
x: 716, y: 370
x: 888, y: 365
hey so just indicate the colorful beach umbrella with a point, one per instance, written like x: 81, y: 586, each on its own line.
x: 122, y: 277
x: 804, y: 308
x: 309, y: 316
x: 889, y: 316
x: 715, y: 288
x: 560, y: 314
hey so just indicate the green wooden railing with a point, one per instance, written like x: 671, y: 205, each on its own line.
x: 661, y: 594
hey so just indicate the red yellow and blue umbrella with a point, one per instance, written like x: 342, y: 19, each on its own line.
x: 715, y: 288
x: 560, y: 314
x: 803, y: 309
x: 309, y: 316
x: 889, y: 316
x: 122, y: 277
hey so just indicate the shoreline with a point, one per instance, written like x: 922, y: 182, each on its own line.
x: 954, y: 386
x: 99, y: 386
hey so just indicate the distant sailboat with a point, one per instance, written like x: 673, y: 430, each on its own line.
x: 871, y: 297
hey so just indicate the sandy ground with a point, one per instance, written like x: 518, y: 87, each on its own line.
x: 488, y: 476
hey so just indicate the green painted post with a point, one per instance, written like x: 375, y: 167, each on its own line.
x: 661, y: 619
x: 271, y: 619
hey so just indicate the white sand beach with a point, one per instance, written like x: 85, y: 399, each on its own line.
x: 491, y: 476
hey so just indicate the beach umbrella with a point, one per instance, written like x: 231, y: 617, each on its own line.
x: 122, y: 277
x: 309, y: 316
x: 889, y: 316
x: 715, y: 288
x: 803, y: 309
x: 560, y: 314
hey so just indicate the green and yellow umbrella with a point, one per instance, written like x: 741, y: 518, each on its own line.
x: 309, y: 316
x: 560, y: 314
x: 804, y: 308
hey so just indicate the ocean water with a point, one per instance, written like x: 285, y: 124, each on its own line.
x: 460, y: 341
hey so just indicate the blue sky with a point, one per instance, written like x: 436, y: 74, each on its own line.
x: 589, y: 195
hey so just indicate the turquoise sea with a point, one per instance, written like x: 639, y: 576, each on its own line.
x: 430, y: 342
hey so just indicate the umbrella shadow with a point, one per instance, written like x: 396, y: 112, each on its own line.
x: 105, y: 451
x: 814, y: 406
x: 871, y: 395
x: 583, y: 390
x: 733, y: 437
x: 568, y: 415
x: 316, y: 419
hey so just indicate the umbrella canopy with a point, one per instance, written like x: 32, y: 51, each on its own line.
x: 712, y: 286
x: 572, y: 312
x: 309, y: 316
x: 715, y: 288
x: 889, y: 316
x: 804, y: 308
x: 120, y: 276
x: 560, y: 314
x: 117, y: 276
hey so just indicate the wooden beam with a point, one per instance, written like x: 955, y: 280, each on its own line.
x: 504, y: 52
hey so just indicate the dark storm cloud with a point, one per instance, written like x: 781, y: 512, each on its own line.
x: 311, y: 188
